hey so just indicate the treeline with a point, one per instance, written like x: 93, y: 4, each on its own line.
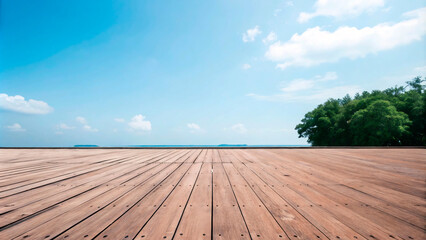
x: 393, y: 117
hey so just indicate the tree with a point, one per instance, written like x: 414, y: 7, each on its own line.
x: 416, y: 84
x: 413, y: 103
x: 379, y: 124
x: 322, y: 125
x: 395, y: 116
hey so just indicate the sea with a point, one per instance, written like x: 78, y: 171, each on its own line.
x: 195, y: 146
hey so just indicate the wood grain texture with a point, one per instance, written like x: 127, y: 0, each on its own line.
x: 213, y: 194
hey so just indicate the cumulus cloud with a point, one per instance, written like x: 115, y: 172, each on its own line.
x: 16, y: 127
x: 309, y: 90
x: 194, y: 127
x: 250, y: 34
x: 316, y: 46
x: 19, y: 104
x: 85, y: 124
x: 139, y: 123
x: 246, y: 66
x: 239, y: 128
x: 339, y: 8
x: 270, y: 38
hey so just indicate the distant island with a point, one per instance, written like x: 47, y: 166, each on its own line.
x: 86, y: 146
x: 232, y: 145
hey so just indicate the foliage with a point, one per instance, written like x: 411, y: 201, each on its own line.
x: 395, y: 116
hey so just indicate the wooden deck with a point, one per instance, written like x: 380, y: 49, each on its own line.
x: 212, y: 194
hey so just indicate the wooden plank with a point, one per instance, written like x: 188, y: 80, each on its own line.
x: 259, y: 221
x: 196, y: 220
x: 228, y: 222
x: 213, y: 194
x: 329, y: 225
x: 63, y: 208
x: 165, y: 221
x: 133, y: 200
x: 131, y: 222
x: 368, y: 215
x: 293, y: 223
x: 334, y: 180
x: 340, y: 207
x: 36, y: 206
x: 96, y: 205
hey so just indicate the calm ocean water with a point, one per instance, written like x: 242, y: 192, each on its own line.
x: 220, y: 145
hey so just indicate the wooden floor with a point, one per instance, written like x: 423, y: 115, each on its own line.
x: 212, y: 194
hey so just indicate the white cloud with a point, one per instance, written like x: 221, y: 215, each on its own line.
x: 270, y: 38
x: 239, y: 128
x: 65, y: 126
x: 289, y: 3
x: 119, y: 120
x: 19, y: 104
x: 89, y: 128
x: 59, y: 132
x: 309, y: 90
x: 339, y: 8
x: 81, y: 120
x: 138, y: 122
x: 194, y: 127
x: 250, y: 34
x: 317, y: 95
x: 303, y: 84
x: 297, y: 85
x: 86, y: 126
x: 246, y: 66
x: 316, y: 46
x: 16, y: 127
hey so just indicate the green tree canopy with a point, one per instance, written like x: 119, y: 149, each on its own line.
x: 395, y: 116
x: 379, y: 124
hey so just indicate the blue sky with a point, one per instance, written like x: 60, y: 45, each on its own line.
x: 193, y: 72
